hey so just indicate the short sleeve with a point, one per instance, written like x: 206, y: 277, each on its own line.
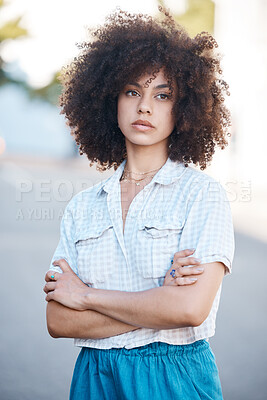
x: 208, y: 226
x: 66, y: 247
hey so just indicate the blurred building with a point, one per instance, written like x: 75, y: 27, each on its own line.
x: 32, y: 127
x: 241, y: 31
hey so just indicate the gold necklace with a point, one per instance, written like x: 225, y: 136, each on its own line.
x: 141, y: 173
x: 127, y: 178
x: 136, y: 181
x: 126, y: 175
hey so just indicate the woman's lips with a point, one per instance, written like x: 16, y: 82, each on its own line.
x: 142, y: 128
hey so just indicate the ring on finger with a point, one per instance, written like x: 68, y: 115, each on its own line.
x: 172, y: 273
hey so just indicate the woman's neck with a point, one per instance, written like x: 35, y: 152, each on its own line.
x: 143, y: 163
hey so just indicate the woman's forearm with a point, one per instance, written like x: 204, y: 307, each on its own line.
x: 165, y: 307
x: 158, y: 308
x: 66, y: 322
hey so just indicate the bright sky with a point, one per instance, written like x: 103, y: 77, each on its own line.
x: 56, y: 25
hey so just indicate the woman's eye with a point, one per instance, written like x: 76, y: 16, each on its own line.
x: 163, y: 96
x: 131, y: 93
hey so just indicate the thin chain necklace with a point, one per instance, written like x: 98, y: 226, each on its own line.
x: 126, y: 175
x: 126, y: 178
x: 141, y: 173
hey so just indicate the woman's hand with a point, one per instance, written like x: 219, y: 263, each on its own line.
x: 179, y: 273
x: 66, y: 288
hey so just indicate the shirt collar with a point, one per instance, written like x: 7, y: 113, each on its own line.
x: 113, y: 180
x: 169, y: 172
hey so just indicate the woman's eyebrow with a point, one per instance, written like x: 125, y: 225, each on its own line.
x: 163, y: 86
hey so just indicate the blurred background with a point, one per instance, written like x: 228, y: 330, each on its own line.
x: 40, y: 171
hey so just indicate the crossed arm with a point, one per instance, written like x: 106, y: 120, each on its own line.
x: 89, y: 324
x: 75, y: 310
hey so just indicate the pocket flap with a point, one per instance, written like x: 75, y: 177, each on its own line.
x: 93, y: 231
x: 160, y: 228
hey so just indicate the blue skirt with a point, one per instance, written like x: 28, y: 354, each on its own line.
x: 156, y: 371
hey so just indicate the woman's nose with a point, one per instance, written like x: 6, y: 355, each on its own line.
x: 144, y: 107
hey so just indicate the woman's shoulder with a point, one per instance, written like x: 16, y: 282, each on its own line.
x: 86, y: 197
x: 195, y: 184
x: 198, y: 179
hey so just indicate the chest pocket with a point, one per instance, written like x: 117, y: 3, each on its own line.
x: 157, y: 243
x: 96, y: 253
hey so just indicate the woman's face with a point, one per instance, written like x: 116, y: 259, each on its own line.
x: 145, y: 113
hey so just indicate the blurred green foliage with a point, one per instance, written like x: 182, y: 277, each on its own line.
x: 198, y: 17
x: 12, y: 30
x: 49, y: 92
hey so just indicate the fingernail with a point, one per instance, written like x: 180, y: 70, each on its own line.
x: 197, y: 260
x: 200, y: 269
x: 193, y: 279
x: 193, y: 250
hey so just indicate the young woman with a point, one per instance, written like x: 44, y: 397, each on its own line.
x: 126, y: 279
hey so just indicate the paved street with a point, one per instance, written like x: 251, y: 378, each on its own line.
x: 34, y: 366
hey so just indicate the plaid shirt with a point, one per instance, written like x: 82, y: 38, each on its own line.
x: 181, y: 208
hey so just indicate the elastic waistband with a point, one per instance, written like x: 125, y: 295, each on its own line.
x: 156, y: 348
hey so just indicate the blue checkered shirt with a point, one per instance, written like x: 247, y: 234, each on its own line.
x: 181, y: 208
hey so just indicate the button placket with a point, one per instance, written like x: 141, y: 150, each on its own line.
x: 115, y: 212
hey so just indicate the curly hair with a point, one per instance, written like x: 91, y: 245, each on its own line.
x: 123, y: 49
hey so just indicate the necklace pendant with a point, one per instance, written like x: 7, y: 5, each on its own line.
x: 137, y: 184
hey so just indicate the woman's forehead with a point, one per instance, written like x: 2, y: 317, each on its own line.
x: 153, y: 80
x: 154, y: 77
x: 151, y: 77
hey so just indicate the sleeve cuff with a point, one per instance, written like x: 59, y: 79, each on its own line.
x: 218, y: 258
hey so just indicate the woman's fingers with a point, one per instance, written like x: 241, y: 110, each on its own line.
x: 184, y: 261
x: 181, y: 281
x: 184, y: 281
x: 49, y: 286
x: 47, y: 276
x: 185, y: 271
x: 51, y: 276
x: 181, y: 266
x: 184, y: 253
